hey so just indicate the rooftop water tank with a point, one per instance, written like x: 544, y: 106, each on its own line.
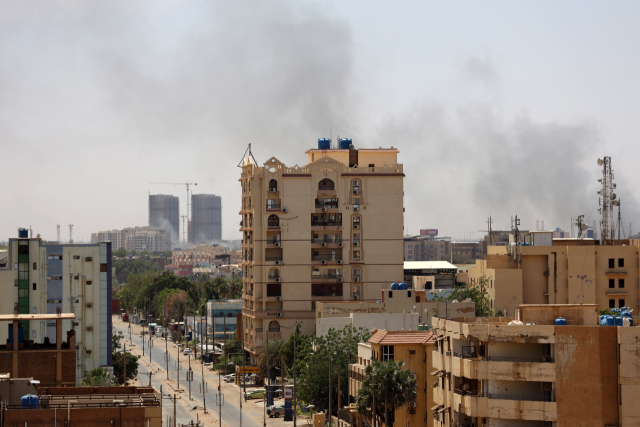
x: 394, y: 286
x: 345, y: 143
x: 609, y: 321
x: 626, y: 321
x: 617, y: 321
x: 324, y: 144
x: 402, y: 286
x: 29, y: 401
x: 23, y: 233
x: 603, y: 321
x: 560, y: 321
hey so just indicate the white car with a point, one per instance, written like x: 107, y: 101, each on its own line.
x: 186, y: 351
x: 229, y: 378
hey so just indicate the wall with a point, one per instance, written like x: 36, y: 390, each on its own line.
x: 40, y: 365
x: 584, y: 315
x: 86, y: 417
x: 369, y: 321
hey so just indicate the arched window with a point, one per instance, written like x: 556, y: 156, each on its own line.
x: 274, y: 326
x: 273, y: 185
x: 273, y: 221
x: 326, y: 184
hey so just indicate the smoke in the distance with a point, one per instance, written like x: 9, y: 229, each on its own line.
x: 102, y: 100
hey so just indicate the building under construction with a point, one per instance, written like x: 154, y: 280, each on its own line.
x: 206, y: 219
x: 164, y: 212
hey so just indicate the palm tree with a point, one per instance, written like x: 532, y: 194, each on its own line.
x: 276, y: 356
x: 392, y: 385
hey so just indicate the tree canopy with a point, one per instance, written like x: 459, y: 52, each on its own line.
x: 477, y: 292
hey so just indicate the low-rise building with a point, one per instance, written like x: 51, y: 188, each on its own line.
x: 222, y: 317
x: 442, y: 272
x: 369, y: 321
x: 415, y: 349
x: 396, y: 301
x: 47, y: 279
x: 469, y: 250
x: 152, y: 239
x: 538, y: 372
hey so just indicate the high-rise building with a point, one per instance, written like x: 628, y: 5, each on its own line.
x: 206, y: 219
x: 330, y: 230
x: 164, y: 212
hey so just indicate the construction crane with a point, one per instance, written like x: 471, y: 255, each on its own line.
x: 179, y: 183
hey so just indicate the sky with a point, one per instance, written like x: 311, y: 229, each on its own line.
x: 498, y: 108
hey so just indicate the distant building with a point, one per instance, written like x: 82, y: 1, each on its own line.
x: 206, y: 219
x: 488, y: 372
x: 44, y: 278
x: 152, y: 239
x: 164, y: 212
x: 425, y: 248
x: 222, y: 317
x: 470, y: 250
x: 441, y: 274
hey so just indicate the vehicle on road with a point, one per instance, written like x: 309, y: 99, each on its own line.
x: 229, y: 378
x: 186, y: 351
x: 275, y: 411
x: 258, y: 393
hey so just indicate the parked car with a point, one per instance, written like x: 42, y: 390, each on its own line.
x: 186, y: 351
x: 275, y: 411
x: 229, y: 378
x: 258, y: 393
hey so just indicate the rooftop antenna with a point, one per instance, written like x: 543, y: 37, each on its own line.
x: 617, y: 203
x: 71, y: 234
x: 248, y: 150
x: 516, y: 233
x: 58, y: 228
x: 582, y: 226
x: 606, y: 201
x: 489, y: 222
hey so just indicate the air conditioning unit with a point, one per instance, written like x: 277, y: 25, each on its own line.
x: 324, y: 209
x: 356, y: 208
x: 341, y: 244
x: 273, y: 189
x: 16, y: 282
x: 277, y: 280
x: 339, y: 279
x: 278, y: 314
x: 356, y: 226
x: 356, y: 279
x: 278, y: 262
x: 285, y: 210
x: 413, y: 405
x: 356, y: 244
x: 278, y: 298
x: 324, y: 262
x: 324, y: 244
x: 339, y: 261
x: 356, y: 192
x: 277, y: 244
x: 356, y: 296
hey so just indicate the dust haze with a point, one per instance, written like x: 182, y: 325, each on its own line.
x: 98, y: 101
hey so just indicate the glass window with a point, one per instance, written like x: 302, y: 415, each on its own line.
x: 387, y: 353
x: 611, y: 263
x: 612, y: 283
x: 621, y: 283
x: 620, y: 303
x: 612, y: 303
x: 620, y: 262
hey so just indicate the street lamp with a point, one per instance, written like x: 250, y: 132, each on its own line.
x: 373, y: 406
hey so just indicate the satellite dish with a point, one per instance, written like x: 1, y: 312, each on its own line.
x: 599, y: 162
x: 584, y: 227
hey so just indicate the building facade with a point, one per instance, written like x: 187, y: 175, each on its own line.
x: 206, y: 219
x: 567, y: 271
x: 425, y: 248
x: 536, y: 373
x: 152, y: 239
x: 469, y: 250
x: 164, y: 212
x: 76, y: 279
x: 327, y: 231
x: 222, y: 317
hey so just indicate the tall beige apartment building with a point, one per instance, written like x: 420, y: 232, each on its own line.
x: 327, y: 231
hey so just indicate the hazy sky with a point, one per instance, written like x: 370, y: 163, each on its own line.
x: 497, y: 108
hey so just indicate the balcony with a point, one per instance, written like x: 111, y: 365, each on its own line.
x: 274, y: 205
x: 273, y: 278
x: 329, y: 239
x: 324, y: 277
x: 324, y: 205
x: 326, y: 223
x: 326, y: 290
x: 509, y: 369
x: 506, y: 407
x: 330, y: 258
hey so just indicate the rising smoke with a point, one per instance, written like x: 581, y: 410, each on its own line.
x: 109, y: 97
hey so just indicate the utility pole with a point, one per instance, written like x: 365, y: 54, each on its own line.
x: 330, y: 387
x: 174, y: 410
x: 295, y: 401
x: 142, y: 336
x: 373, y: 405
x: 244, y: 375
x: 166, y: 353
x: 268, y: 382
x: 150, y: 345
x: 189, y: 375
x: 124, y: 363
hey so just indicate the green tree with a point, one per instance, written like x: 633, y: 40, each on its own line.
x: 477, y: 292
x: 276, y: 358
x: 98, y: 377
x: 339, y: 345
x: 118, y: 367
x: 392, y: 386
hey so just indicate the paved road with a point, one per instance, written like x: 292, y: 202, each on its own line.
x: 230, y: 409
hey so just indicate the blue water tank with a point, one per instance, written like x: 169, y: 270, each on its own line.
x: 603, y: 321
x: 29, y: 401
x: 345, y: 143
x: 609, y: 321
x: 402, y: 286
x: 23, y: 233
x: 617, y: 321
x: 394, y: 286
x: 615, y: 310
x: 20, y: 334
x: 561, y: 321
x: 324, y: 144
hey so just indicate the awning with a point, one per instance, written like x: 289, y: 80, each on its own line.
x: 441, y: 410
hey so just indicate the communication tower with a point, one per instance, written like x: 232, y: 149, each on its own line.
x: 607, y: 201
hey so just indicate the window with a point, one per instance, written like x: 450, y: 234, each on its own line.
x: 229, y: 314
x: 612, y: 283
x: 35, y: 265
x: 620, y: 303
x: 103, y: 268
x: 33, y: 333
x: 611, y: 263
x: 273, y: 221
x: 89, y: 282
x: 35, y: 310
x: 273, y: 185
x: 612, y: 303
x: 387, y: 353
x: 620, y: 262
x: 621, y: 283
x: 23, y: 293
x: 390, y: 294
x: 34, y: 286
x: 76, y: 257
